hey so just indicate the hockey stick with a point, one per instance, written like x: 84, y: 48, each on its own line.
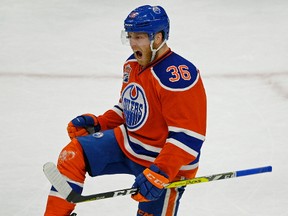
x: 64, y: 189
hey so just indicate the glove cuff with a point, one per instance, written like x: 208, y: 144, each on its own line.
x: 90, y: 119
x: 156, y: 169
x: 156, y: 177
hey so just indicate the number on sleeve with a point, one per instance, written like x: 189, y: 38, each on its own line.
x: 178, y: 72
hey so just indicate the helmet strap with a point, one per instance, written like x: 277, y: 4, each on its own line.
x: 154, y: 51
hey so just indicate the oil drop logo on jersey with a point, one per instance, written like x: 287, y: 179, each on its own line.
x: 135, y: 106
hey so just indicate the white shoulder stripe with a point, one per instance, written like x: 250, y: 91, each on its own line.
x: 183, y: 147
x: 188, y: 132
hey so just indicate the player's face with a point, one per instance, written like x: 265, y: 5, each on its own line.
x: 140, y: 44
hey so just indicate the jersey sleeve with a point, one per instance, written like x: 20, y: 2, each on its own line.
x: 111, y: 118
x: 183, y: 102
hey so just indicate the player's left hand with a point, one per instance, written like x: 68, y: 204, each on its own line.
x: 151, y: 184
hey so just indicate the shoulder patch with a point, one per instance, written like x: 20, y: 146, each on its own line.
x: 175, y: 73
x: 127, y: 68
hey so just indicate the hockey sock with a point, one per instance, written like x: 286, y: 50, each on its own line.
x: 71, y: 165
x: 58, y: 207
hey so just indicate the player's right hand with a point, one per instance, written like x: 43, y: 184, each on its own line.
x: 150, y: 183
x: 83, y: 125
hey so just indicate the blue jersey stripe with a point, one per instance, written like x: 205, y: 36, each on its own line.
x: 191, y: 142
x: 141, y: 150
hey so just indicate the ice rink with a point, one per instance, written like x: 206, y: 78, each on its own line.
x: 59, y: 59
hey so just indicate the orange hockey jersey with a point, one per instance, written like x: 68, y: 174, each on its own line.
x: 161, y: 115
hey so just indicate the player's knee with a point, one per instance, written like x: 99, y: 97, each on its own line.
x: 71, y: 161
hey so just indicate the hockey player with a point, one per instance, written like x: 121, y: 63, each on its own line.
x: 155, y: 132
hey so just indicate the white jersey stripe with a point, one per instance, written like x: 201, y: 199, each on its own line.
x: 189, y: 167
x: 130, y: 150
x: 145, y: 146
x: 183, y: 146
x: 118, y: 111
x: 151, y: 148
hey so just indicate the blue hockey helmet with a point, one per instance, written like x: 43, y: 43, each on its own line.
x: 148, y: 19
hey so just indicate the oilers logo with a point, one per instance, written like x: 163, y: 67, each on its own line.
x: 135, y: 106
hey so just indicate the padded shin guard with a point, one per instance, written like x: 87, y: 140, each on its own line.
x: 71, y: 164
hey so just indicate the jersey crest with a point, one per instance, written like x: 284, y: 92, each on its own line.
x: 135, y: 106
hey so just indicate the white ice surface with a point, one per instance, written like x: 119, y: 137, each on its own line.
x: 59, y: 59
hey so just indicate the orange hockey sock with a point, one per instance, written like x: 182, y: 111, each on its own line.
x: 71, y: 164
x: 58, y: 207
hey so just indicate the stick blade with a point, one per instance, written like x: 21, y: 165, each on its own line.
x: 56, y: 179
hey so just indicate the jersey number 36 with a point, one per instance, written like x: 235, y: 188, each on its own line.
x: 178, y: 72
